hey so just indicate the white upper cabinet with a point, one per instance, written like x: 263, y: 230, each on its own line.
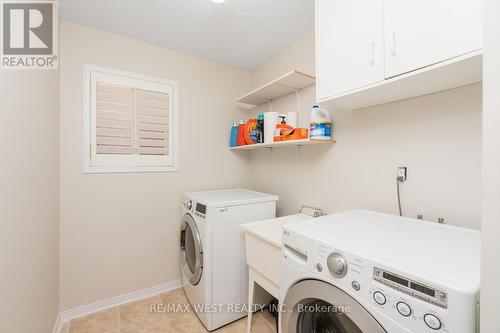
x: 419, y: 33
x: 370, y: 52
x: 349, y: 45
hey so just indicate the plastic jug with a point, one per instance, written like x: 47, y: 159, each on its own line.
x: 240, y: 138
x: 321, y: 124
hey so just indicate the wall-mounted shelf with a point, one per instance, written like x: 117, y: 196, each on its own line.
x: 303, y: 142
x: 292, y: 82
x: 282, y: 86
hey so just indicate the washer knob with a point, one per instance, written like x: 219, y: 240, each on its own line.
x: 433, y: 322
x: 403, y: 309
x: 337, y: 265
x: 379, y: 298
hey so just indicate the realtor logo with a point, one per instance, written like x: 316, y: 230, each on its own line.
x: 29, y: 35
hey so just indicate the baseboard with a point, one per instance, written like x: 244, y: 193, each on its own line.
x: 84, y: 310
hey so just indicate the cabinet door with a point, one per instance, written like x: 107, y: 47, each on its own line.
x: 349, y: 45
x: 420, y: 33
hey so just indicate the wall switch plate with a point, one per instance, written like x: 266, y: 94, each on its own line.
x: 401, y: 174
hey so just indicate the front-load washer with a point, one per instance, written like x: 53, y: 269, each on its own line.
x: 213, y: 267
x: 369, y: 272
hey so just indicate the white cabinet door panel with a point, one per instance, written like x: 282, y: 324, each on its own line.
x: 349, y: 45
x: 420, y: 33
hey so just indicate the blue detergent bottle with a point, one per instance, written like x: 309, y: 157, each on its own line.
x: 234, y: 135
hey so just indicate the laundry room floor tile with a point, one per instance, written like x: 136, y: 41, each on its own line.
x: 99, y: 322
x: 139, y: 311
x: 174, y: 297
x: 140, y: 317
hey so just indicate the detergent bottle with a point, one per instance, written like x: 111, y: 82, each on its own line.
x: 240, y: 139
x: 260, y: 128
x: 321, y: 124
x: 234, y: 135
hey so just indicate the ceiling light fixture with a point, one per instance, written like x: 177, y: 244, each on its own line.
x: 218, y: 1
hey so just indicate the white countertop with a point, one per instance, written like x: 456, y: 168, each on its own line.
x: 271, y: 230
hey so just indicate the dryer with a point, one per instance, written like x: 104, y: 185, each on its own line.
x: 213, y: 267
x: 369, y: 272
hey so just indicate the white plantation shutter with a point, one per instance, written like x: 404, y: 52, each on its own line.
x: 152, y: 113
x: 115, y: 112
x: 131, y: 122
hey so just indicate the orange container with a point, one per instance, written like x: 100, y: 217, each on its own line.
x: 240, y: 139
x: 250, y: 128
x: 297, y: 134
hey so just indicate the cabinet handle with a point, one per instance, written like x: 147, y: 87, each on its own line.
x: 372, y: 60
x: 393, y: 43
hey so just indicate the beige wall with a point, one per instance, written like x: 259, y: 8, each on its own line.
x: 120, y: 231
x: 438, y: 137
x: 298, y: 56
x: 490, y: 271
x: 29, y: 200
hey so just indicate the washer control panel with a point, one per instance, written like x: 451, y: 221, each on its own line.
x: 411, y: 287
x: 401, y: 308
x: 413, y: 304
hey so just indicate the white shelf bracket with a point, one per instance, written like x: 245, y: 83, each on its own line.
x: 298, y: 95
x: 270, y: 104
x: 270, y: 158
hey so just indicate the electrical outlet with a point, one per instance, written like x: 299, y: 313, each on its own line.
x: 401, y: 174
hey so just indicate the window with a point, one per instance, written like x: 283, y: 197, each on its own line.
x: 130, y: 122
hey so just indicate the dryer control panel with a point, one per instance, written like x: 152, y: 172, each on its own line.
x: 199, y: 210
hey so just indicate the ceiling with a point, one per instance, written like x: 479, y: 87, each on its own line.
x: 241, y: 33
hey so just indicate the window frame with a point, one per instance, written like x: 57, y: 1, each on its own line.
x: 115, y: 163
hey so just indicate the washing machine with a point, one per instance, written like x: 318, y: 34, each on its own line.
x: 213, y: 267
x: 362, y: 271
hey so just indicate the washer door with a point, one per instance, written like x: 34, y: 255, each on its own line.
x: 313, y: 306
x: 191, y: 250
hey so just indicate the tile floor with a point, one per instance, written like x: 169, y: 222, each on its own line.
x: 136, y: 317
